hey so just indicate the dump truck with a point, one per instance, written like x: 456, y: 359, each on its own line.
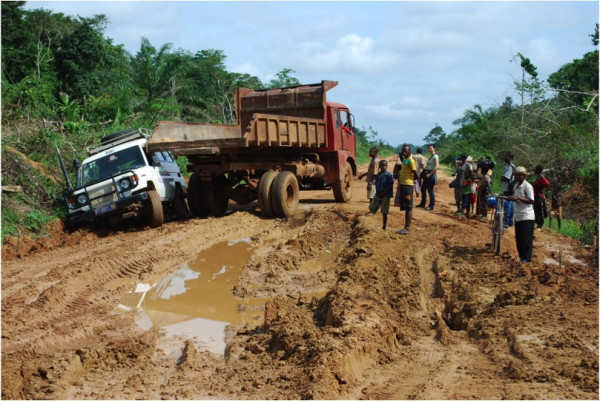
x: 284, y: 140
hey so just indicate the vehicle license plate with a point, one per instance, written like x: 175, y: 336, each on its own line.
x: 105, y: 209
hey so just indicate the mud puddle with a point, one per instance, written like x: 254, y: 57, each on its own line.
x: 196, y: 302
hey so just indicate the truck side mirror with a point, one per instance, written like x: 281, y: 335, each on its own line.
x: 76, y: 164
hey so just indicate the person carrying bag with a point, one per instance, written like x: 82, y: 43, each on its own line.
x: 429, y: 178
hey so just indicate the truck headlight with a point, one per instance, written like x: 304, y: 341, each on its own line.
x: 125, y: 183
x: 81, y: 199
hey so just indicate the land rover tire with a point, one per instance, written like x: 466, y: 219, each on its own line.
x: 155, y: 209
x: 342, y: 188
x: 264, y: 193
x: 285, y: 194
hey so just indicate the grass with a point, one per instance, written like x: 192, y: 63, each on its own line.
x: 18, y: 219
x: 571, y: 228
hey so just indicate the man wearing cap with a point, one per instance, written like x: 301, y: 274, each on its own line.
x: 524, y: 215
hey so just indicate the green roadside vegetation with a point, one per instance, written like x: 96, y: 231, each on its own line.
x: 65, y: 85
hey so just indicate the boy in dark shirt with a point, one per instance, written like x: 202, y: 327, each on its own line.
x: 384, y: 183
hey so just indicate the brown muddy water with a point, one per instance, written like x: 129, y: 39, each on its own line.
x: 196, y: 302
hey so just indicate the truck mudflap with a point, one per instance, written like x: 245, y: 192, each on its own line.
x: 92, y: 214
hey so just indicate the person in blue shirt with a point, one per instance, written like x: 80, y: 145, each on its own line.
x: 384, y: 183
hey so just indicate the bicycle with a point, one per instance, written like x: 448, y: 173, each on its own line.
x: 496, y: 202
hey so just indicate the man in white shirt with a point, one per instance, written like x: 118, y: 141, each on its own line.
x: 524, y: 214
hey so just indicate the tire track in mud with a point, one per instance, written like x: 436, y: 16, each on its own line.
x: 88, y: 283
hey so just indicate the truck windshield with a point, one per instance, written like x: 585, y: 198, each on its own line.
x: 109, y: 165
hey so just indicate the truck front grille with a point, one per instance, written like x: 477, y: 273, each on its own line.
x: 103, y: 195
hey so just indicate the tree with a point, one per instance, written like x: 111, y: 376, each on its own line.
x: 155, y: 71
x: 531, y: 86
x: 594, y: 36
x: 15, y: 34
x: 435, y: 135
x: 578, y: 81
x: 283, y: 79
x: 80, y: 55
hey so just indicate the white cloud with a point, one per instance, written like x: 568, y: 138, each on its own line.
x: 351, y: 53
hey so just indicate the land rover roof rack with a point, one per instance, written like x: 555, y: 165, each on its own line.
x: 124, y: 136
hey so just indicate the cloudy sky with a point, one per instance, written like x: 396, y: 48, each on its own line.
x: 402, y: 67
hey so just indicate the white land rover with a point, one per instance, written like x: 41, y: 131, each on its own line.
x: 120, y: 180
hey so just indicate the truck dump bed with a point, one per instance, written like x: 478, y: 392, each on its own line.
x: 285, y: 117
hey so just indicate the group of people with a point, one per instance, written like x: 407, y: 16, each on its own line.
x: 415, y: 175
x: 524, y: 207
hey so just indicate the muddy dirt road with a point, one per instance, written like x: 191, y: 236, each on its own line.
x: 324, y: 305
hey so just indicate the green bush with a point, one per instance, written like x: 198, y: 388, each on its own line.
x: 569, y: 228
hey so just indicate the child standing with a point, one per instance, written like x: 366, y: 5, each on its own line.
x: 556, y: 207
x: 384, y: 183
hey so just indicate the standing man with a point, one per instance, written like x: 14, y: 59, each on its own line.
x: 463, y: 174
x: 429, y: 178
x: 524, y: 214
x: 408, y: 175
x: 508, y: 183
x: 371, y: 171
x: 539, y: 206
x: 420, y: 161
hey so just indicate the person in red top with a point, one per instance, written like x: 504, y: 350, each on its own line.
x: 539, y: 201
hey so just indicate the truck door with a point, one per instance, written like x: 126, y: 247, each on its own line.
x: 344, y: 121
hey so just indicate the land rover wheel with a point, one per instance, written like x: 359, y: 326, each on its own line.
x: 264, y: 193
x: 342, y: 189
x: 180, y: 207
x: 285, y: 194
x: 155, y: 209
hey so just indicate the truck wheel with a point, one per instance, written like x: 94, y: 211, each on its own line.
x: 155, y: 209
x: 342, y: 189
x: 195, y: 196
x: 285, y: 194
x: 215, y: 199
x: 180, y: 206
x: 264, y: 193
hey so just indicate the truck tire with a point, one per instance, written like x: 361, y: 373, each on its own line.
x: 285, y: 194
x: 264, y: 193
x: 155, y: 209
x: 117, y: 135
x: 196, y: 188
x: 215, y: 199
x: 180, y: 207
x: 342, y: 189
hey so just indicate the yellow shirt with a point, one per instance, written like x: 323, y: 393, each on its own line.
x: 407, y: 174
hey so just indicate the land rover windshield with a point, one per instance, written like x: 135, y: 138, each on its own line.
x: 109, y: 165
